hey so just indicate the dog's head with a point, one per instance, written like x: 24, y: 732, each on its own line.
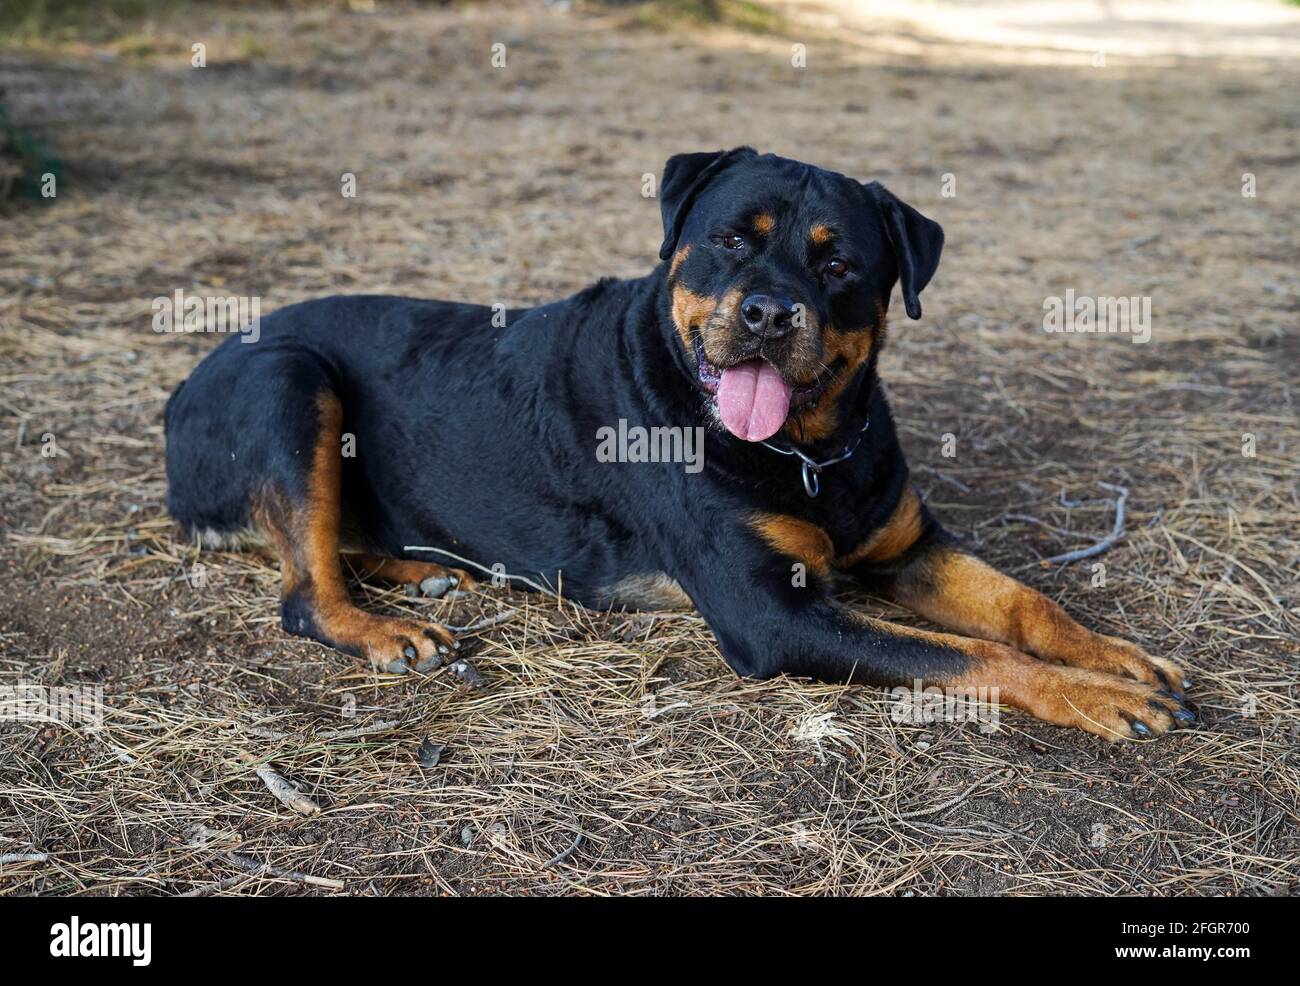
x: 779, y: 276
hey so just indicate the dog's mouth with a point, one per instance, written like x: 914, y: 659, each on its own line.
x: 753, y: 400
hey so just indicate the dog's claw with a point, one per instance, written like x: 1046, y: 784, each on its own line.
x: 1140, y: 728
x: 1185, y: 715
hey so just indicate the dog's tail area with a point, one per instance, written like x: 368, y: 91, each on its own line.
x: 213, y: 533
x: 171, y: 401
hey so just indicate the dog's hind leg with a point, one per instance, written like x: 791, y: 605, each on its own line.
x: 301, y: 516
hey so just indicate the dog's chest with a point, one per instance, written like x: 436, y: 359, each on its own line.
x: 846, y: 507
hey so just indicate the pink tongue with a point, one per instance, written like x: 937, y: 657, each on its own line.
x: 753, y: 400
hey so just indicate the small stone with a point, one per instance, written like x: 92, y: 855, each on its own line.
x: 467, y: 673
x: 436, y: 586
x: 430, y: 754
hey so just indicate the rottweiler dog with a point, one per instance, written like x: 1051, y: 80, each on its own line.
x: 358, y: 427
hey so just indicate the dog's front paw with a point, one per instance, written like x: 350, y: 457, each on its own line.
x: 1106, y: 705
x: 1116, y: 656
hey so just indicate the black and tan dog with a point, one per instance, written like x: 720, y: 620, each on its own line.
x: 762, y: 326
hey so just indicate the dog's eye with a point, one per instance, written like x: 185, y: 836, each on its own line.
x: 732, y: 242
x: 836, y: 267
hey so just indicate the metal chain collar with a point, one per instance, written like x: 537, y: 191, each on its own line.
x: 812, y: 468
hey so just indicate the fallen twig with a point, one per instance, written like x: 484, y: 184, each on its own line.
x: 545, y: 590
x: 382, y: 726
x: 24, y: 857
x: 558, y: 859
x: 203, y: 835
x: 262, y: 869
x: 487, y: 621
x: 253, y: 866
x: 933, y: 810
x: 285, y: 791
x: 1106, y: 543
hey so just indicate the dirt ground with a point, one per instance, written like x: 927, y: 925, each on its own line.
x: 616, y: 753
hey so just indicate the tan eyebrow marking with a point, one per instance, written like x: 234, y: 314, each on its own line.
x: 679, y: 258
x: 820, y: 234
x: 764, y: 223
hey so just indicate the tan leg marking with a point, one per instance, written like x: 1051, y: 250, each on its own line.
x: 401, y: 571
x: 893, y: 538
x: 961, y: 592
x: 307, y: 540
x: 798, y: 539
x: 1101, y: 704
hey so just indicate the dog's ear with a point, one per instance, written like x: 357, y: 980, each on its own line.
x: 917, y: 243
x: 685, y: 176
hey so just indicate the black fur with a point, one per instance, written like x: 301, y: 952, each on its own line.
x: 481, y: 439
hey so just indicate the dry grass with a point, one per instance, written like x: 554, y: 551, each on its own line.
x: 616, y: 753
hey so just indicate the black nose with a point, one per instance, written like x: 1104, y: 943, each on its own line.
x: 768, y: 316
